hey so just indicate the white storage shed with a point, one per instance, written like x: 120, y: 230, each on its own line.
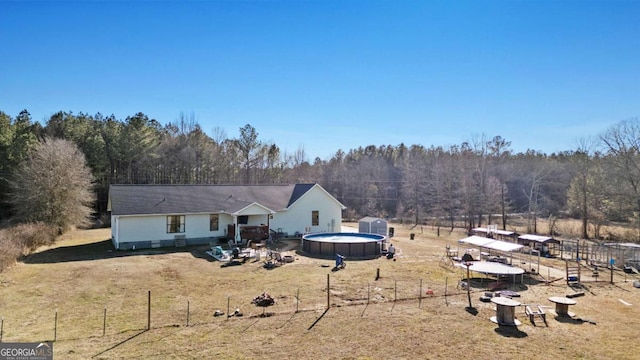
x: 372, y: 225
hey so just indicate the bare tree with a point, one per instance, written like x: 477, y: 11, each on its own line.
x: 299, y: 165
x: 534, y: 174
x: 414, y: 187
x: 500, y: 153
x: 622, y: 141
x: 447, y: 178
x: 53, y: 186
x: 582, y: 183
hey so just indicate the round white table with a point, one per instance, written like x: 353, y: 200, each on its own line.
x: 562, y: 305
x: 505, y: 311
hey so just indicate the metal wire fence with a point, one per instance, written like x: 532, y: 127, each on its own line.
x: 148, y: 310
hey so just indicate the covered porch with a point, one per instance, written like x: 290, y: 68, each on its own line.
x: 250, y: 224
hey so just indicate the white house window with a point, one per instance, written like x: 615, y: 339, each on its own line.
x: 175, y: 224
x: 213, y: 222
x: 315, y: 218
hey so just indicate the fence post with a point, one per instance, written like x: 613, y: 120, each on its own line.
x: 55, y: 326
x: 368, y: 292
x: 1, y: 328
x: 468, y: 264
x: 446, y: 286
x: 228, y: 301
x: 588, y: 250
x: 395, y: 291
x: 187, y: 313
x: 149, y: 310
x: 611, y: 266
x: 297, y: 300
x: 328, y: 293
x: 104, y: 321
x: 611, y: 262
x: 420, y: 296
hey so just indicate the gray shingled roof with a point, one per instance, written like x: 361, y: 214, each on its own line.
x: 191, y: 199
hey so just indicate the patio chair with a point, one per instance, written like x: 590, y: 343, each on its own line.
x: 278, y: 258
x: 274, y: 259
x: 241, y: 244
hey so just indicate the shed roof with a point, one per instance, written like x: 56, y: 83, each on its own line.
x: 499, y: 232
x: 537, y: 238
x: 627, y: 245
x: 371, y: 219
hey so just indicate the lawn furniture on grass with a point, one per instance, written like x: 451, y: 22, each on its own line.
x: 535, y: 310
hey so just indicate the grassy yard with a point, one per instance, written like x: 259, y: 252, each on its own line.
x: 81, y: 278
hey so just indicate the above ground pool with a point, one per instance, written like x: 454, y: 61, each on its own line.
x: 355, y: 245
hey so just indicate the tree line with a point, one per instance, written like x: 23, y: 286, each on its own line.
x: 479, y: 181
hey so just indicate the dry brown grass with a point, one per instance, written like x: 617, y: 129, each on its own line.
x: 568, y: 228
x: 82, y: 275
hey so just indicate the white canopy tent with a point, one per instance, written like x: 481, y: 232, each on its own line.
x: 477, y: 240
x: 492, y: 244
x: 489, y: 267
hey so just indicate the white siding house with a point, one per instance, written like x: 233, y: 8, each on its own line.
x: 299, y: 216
x: 144, y: 216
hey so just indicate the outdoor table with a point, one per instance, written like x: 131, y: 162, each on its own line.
x: 505, y: 311
x: 562, y: 305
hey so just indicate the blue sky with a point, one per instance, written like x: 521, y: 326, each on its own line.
x: 329, y: 75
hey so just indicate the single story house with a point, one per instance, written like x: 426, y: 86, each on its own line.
x: 146, y: 216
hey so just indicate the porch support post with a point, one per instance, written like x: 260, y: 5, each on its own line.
x: 237, y: 237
